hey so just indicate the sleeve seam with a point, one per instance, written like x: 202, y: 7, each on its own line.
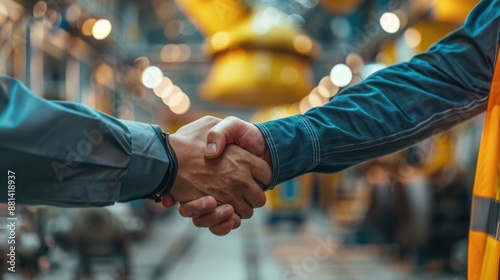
x: 316, y: 145
x: 426, y: 124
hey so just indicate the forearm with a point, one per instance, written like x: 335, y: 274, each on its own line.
x: 66, y: 154
x: 394, y: 108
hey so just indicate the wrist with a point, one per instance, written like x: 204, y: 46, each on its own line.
x: 169, y: 179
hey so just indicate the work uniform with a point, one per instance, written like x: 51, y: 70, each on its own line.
x: 401, y: 105
x: 66, y: 154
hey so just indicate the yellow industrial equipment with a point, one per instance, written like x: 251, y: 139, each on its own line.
x: 214, y: 15
x: 260, y: 57
x: 452, y: 11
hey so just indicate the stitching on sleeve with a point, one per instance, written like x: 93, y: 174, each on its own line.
x: 423, y: 125
x: 315, y: 142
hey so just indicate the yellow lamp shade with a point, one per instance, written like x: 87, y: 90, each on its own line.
x: 212, y: 16
x: 264, y: 28
x: 276, y: 112
x: 256, y: 77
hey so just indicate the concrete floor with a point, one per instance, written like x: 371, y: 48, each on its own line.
x: 178, y: 250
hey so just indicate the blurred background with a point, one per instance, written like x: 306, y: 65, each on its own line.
x: 404, y: 216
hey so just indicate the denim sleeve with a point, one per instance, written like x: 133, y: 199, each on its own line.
x: 66, y: 154
x: 395, y: 107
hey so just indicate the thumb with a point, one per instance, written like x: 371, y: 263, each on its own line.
x: 167, y: 201
x: 225, y: 132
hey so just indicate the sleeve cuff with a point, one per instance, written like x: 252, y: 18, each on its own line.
x: 148, y: 162
x: 294, y: 146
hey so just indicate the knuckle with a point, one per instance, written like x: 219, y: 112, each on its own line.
x: 247, y: 213
x: 184, y: 213
x: 237, y: 224
x: 232, y: 119
x: 262, y: 200
x: 217, y: 231
x: 198, y: 223
x: 211, y: 119
x: 237, y: 221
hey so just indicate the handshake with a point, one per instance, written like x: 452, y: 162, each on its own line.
x: 224, y: 166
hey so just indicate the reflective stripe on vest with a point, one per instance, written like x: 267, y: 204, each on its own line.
x: 484, y: 233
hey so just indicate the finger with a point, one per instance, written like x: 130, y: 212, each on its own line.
x: 167, y: 201
x: 220, y: 215
x: 198, y: 207
x: 255, y: 196
x: 246, y: 192
x: 261, y: 171
x: 222, y: 229
x: 228, y: 131
x: 243, y: 209
x: 237, y: 221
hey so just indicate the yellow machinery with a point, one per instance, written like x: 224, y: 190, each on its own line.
x: 260, y: 57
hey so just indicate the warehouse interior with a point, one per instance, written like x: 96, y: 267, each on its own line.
x: 170, y: 62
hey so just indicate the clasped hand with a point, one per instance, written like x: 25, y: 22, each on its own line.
x: 223, y: 167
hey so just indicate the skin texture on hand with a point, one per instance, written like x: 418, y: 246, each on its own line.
x: 228, y: 131
x: 236, y: 177
x: 232, y: 130
x: 219, y: 219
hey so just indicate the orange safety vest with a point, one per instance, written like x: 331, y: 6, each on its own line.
x: 484, y: 231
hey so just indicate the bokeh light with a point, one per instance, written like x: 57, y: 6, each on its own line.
x: 303, y: 44
x: 101, y: 29
x: 152, y: 77
x: 73, y: 13
x: 326, y: 88
x: 183, y: 107
x: 371, y: 68
x: 355, y: 62
x: 341, y: 75
x: 219, y: 40
x: 165, y: 88
x: 87, y: 26
x: 175, y: 53
x: 304, y: 105
x: 175, y: 98
x: 390, y: 22
x: 314, y: 100
x: 4, y: 14
x: 40, y: 9
x: 266, y: 19
x: 142, y: 63
x: 412, y: 37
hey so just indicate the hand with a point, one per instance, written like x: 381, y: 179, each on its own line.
x: 236, y: 178
x: 232, y: 130
x: 220, y: 220
x: 228, y: 131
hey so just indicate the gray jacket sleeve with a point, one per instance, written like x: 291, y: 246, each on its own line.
x: 66, y: 154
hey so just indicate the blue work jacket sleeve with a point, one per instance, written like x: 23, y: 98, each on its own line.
x: 395, y: 107
x: 66, y: 154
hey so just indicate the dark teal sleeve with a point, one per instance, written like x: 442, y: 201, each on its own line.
x: 395, y: 107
